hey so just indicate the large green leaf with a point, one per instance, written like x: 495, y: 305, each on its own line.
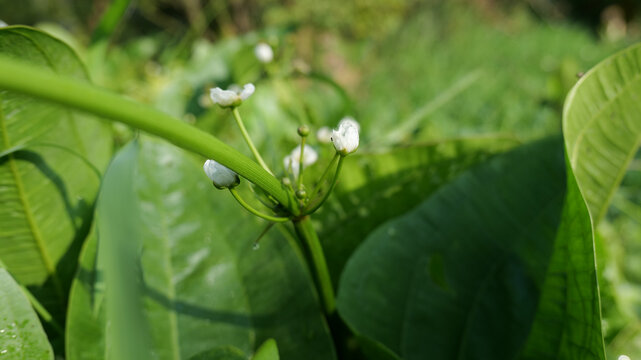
x: 602, y: 127
x: 204, y: 287
x: 376, y: 187
x: 21, y: 335
x: 46, y: 187
x: 472, y: 269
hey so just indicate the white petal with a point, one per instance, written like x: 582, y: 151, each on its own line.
x: 346, y: 138
x: 264, y: 52
x: 223, y: 97
x: 3, y: 24
x: 248, y: 89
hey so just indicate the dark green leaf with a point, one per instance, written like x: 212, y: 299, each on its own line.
x: 376, y: 187
x: 460, y: 277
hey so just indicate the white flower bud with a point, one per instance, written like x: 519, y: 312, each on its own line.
x: 345, y: 138
x: 221, y: 176
x: 264, y: 53
x: 230, y: 98
x: 292, y: 160
x: 623, y: 357
x: 324, y: 135
x: 3, y: 24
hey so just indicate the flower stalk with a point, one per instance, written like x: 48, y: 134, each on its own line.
x: 248, y: 140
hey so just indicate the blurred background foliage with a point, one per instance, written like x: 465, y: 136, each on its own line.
x: 410, y: 71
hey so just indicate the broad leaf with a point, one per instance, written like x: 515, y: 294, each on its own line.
x: 465, y: 274
x: 376, y: 187
x: 203, y: 286
x: 47, y: 192
x: 21, y: 335
x: 602, y: 127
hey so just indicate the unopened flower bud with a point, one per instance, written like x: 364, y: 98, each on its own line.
x: 346, y: 137
x: 301, y: 194
x: 303, y: 130
x: 264, y: 52
x: 231, y: 98
x: 220, y: 175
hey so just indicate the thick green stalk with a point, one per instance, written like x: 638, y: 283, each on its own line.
x: 34, y: 81
x: 316, y: 260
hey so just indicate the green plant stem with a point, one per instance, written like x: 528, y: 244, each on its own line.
x: 249, y: 208
x: 44, y: 84
x: 329, y: 191
x: 316, y: 260
x: 300, y: 163
x: 322, y: 178
x: 248, y: 140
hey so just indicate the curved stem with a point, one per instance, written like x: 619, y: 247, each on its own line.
x: 34, y: 81
x: 329, y: 191
x: 316, y: 260
x: 248, y: 140
x: 244, y: 204
x: 322, y: 178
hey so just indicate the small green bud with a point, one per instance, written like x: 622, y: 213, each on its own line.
x: 286, y: 181
x: 303, y: 130
x: 301, y: 194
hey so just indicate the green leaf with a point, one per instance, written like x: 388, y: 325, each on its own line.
x: 47, y: 193
x: 465, y: 274
x: 21, y: 334
x: 602, y: 128
x: 267, y: 351
x: 376, y: 187
x: 204, y: 286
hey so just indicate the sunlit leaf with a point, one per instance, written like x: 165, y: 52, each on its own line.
x: 47, y: 193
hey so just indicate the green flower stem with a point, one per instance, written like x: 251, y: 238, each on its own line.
x: 322, y: 178
x: 300, y: 163
x: 316, y: 259
x: 248, y: 140
x: 34, y: 81
x: 249, y: 208
x: 331, y: 187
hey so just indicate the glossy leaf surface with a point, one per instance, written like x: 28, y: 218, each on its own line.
x: 21, y: 335
x: 203, y: 285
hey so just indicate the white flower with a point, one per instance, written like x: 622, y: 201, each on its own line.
x: 623, y: 357
x: 3, y: 24
x: 350, y: 120
x: 345, y: 138
x: 293, y: 159
x: 264, y: 53
x: 230, y: 98
x: 324, y: 135
x: 221, y: 176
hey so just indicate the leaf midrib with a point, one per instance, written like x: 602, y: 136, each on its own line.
x: 35, y: 231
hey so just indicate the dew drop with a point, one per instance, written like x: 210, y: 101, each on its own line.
x: 256, y: 246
